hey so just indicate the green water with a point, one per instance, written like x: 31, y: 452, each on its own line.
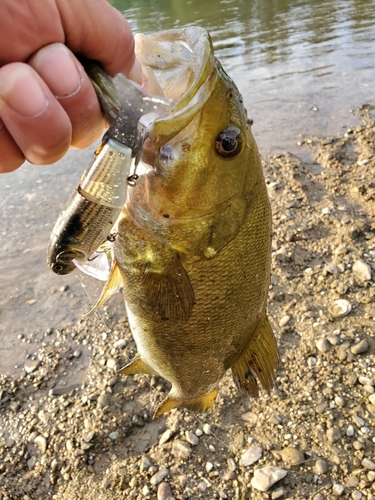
x: 287, y: 57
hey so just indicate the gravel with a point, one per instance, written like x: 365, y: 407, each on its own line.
x: 71, y: 428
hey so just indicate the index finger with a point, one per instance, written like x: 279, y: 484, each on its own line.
x: 95, y: 29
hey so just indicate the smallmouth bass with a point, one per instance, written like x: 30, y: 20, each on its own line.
x: 193, y: 246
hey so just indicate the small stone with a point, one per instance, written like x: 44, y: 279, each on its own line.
x: 146, y: 491
x: 350, y: 431
x: 207, y: 429
x: 356, y: 495
x: 264, y: 478
x: 112, y: 364
x: 222, y: 494
x: 202, y: 486
x: 209, y: 466
x: 333, y: 435
x: 31, y: 365
x: 159, y: 476
x: 41, y: 443
x: 9, y: 443
x: 164, y: 491
x: 199, y: 432
x: 251, y: 456
x: 145, y: 463
x: 87, y: 436
x: 371, y: 476
x: 284, y: 320
x: 181, y: 449
x: 311, y: 361
x: 323, y: 345
x: 360, y: 348
x: 278, y: 493
x: 362, y: 270
x: 338, y: 489
x: 191, y: 438
x: 76, y: 353
x: 114, y: 435
x: 31, y: 462
x: 166, y: 436
x: 250, y: 417
x: 359, y: 422
x: 120, y: 344
x: 320, y: 466
x: 69, y: 445
x: 103, y: 401
x: 368, y: 464
x: 292, y: 456
x: 372, y: 399
x: 339, y: 401
x: 318, y: 496
x: 365, y: 380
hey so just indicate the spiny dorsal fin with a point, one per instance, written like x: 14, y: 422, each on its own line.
x: 260, y: 358
x: 113, y: 285
x: 168, y: 290
x: 137, y: 365
x: 199, y: 404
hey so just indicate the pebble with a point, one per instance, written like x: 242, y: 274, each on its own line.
x: 181, y: 449
x: 320, y: 466
x: 103, y: 401
x: 164, y: 491
x: 120, y: 344
x: 284, y: 320
x: 199, y: 432
x: 360, y: 348
x: 145, y: 463
x: 323, y: 345
x: 340, y: 308
x: 191, y: 438
x: 311, y: 361
x: 362, y: 270
x: 112, y: 364
x: 166, y: 436
x: 333, y: 435
x: 87, y: 436
x: 264, y: 478
x: 292, y: 456
x: 69, y: 445
x: 202, y: 486
x: 251, y: 456
x: 372, y: 399
x: 359, y: 422
x: 209, y: 466
x: 31, y: 365
x: 207, y: 429
x: 368, y: 464
x: 159, y: 476
x: 41, y: 443
x: 365, y: 380
x: 146, y: 491
x: 338, y: 489
x: 250, y: 417
x: 278, y: 493
x: 31, y: 462
x: 356, y: 495
x: 114, y: 435
x: 350, y: 431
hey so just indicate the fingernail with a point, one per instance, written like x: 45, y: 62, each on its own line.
x: 21, y: 91
x: 59, y: 69
x: 135, y: 73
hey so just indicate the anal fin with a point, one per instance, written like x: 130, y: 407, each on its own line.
x: 260, y: 360
x: 113, y: 285
x: 199, y: 404
x: 137, y: 365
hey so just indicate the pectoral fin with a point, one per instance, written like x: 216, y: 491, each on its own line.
x: 200, y: 404
x: 260, y: 359
x: 113, y: 285
x: 137, y: 365
x: 168, y: 290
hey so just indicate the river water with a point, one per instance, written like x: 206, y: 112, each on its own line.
x: 302, y: 67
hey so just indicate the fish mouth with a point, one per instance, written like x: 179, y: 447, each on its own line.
x: 178, y: 64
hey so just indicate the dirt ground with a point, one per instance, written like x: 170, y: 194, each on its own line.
x: 68, y: 432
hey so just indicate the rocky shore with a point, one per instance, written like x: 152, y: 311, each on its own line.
x: 72, y: 429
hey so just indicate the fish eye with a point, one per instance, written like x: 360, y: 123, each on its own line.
x: 229, y: 142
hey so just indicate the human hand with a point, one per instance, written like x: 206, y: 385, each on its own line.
x: 47, y: 102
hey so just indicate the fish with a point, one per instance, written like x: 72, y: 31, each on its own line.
x: 193, y: 246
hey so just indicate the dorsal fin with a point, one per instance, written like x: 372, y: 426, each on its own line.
x: 199, y: 404
x: 260, y: 358
x: 113, y: 285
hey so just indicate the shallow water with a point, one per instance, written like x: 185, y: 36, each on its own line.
x: 301, y: 67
